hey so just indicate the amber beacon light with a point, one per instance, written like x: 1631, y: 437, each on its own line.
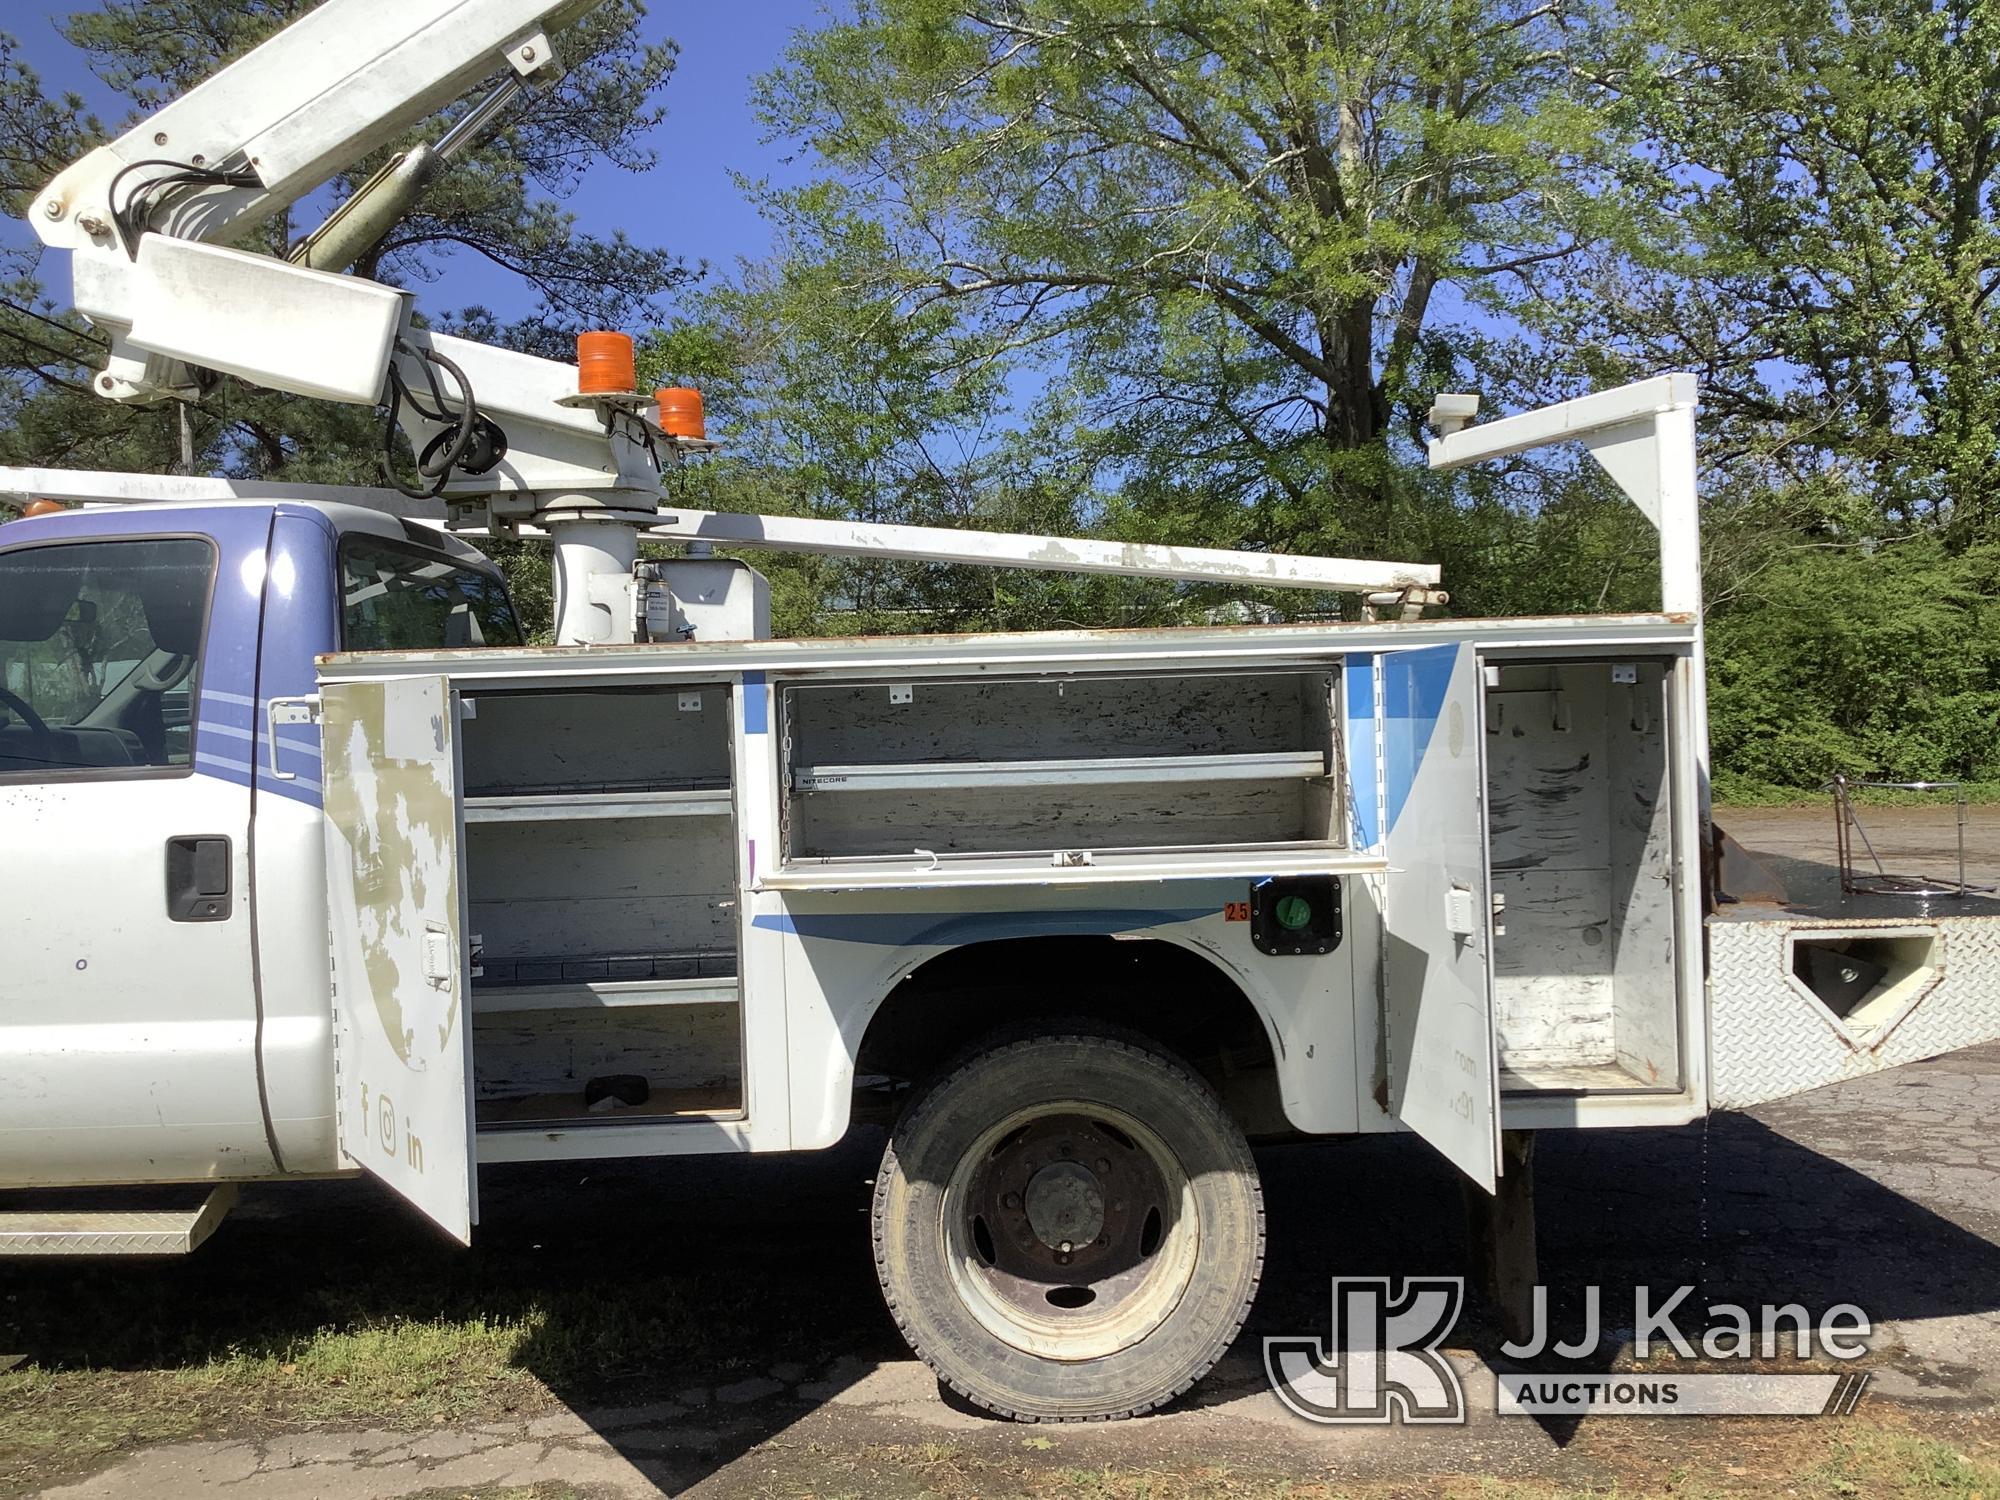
x: 604, y: 364
x: 680, y: 412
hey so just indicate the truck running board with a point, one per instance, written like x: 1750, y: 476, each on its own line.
x: 125, y: 1231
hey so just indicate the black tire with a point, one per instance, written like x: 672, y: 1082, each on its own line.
x: 994, y: 1160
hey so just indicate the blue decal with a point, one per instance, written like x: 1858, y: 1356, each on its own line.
x: 756, y: 704
x: 1415, y: 684
x: 1363, y: 785
x: 884, y: 929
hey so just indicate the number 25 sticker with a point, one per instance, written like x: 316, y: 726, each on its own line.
x: 1236, y: 911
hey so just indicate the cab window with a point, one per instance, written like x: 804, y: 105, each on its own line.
x: 100, y: 654
x: 401, y: 598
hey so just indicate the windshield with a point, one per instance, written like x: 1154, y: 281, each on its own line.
x: 100, y: 653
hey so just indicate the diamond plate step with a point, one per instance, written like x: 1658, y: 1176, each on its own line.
x: 173, y: 1231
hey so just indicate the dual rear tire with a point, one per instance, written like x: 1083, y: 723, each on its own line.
x: 1068, y: 1226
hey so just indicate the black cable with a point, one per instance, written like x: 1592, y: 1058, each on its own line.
x: 389, y: 429
x: 440, y: 458
x: 441, y: 465
x: 181, y: 173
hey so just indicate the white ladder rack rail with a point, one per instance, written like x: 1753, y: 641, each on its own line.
x: 1381, y: 582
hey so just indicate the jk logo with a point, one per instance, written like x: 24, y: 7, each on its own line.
x: 1382, y: 1361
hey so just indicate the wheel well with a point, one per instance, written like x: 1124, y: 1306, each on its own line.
x: 1158, y: 989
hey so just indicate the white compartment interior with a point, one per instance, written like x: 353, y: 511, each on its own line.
x: 882, y: 771
x: 1581, y: 834
x: 600, y: 867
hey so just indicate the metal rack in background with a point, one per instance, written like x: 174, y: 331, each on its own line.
x: 1882, y: 882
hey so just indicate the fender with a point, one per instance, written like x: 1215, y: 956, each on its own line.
x: 841, y: 965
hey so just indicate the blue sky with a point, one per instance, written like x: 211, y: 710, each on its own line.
x: 692, y: 208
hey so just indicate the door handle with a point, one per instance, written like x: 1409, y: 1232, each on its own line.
x: 302, y: 709
x: 198, y: 879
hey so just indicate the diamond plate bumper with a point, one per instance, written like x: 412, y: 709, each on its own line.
x: 1770, y: 1038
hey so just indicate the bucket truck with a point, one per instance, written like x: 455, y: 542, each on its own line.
x: 314, y: 867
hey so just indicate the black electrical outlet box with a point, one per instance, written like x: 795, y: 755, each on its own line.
x: 1295, y: 915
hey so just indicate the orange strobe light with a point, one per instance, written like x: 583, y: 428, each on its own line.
x: 604, y: 365
x: 680, y: 412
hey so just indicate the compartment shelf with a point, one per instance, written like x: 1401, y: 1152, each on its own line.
x: 570, y: 807
x: 1125, y: 770
x: 528, y: 1110
x: 602, y: 994
x: 914, y: 873
x: 545, y: 971
x: 1014, y: 771
x: 1577, y: 1078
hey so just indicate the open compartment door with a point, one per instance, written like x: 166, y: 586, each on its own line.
x: 402, y: 1047
x: 1437, y: 991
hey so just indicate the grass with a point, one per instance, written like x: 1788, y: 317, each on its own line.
x: 54, y: 1423
x: 371, y: 1319
x: 402, y: 1374
x: 1874, y: 1464
x: 1880, y: 1458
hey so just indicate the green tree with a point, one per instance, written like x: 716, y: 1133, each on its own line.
x: 1869, y: 661
x: 1224, y: 238
x: 841, y: 409
x: 1835, y: 165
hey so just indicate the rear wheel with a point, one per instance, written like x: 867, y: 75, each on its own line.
x: 1069, y: 1227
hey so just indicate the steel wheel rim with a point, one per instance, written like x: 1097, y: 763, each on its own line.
x: 1017, y: 1211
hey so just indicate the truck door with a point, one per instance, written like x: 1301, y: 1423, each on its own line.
x: 128, y: 1008
x: 1444, y: 1078
x: 402, y: 1048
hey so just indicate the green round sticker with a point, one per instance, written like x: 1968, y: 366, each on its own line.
x: 1294, y: 912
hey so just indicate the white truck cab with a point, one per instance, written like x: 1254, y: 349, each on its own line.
x: 159, y: 1011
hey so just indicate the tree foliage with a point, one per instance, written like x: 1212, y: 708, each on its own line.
x: 1227, y: 234
x: 1220, y: 256
x: 1835, y: 167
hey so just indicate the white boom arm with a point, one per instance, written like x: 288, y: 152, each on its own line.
x: 317, y: 97
x: 149, y: 220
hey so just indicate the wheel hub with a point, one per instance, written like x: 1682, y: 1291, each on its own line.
x: 1065, y: 1205
x: 1071, y: 1231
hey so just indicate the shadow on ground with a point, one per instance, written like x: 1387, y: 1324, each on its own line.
x: 733, y: 1295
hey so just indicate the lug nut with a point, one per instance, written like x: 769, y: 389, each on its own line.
x: 1012, y: 1200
